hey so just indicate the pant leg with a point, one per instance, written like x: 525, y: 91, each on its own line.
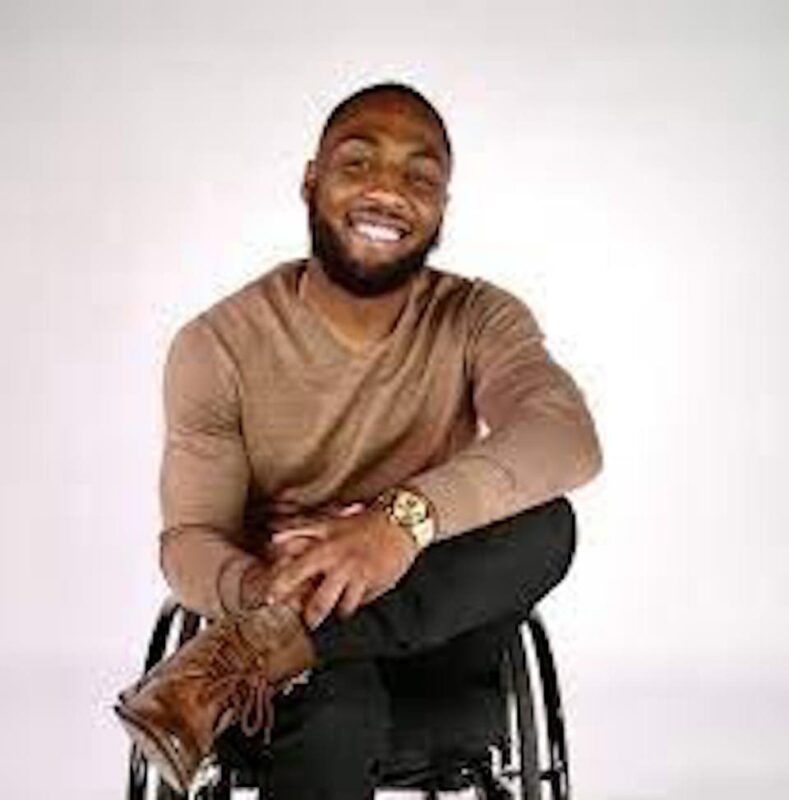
x: 448, y: 699
x: 330, y: 734
x: 329, y: 738
x: 460, y: 584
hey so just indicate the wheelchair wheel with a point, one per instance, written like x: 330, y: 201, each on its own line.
x: 520, y: 771
x: 528, y: 763
x: 534, y: 765
x: 556, y: 771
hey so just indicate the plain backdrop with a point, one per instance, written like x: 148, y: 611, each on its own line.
x: 621, y: 166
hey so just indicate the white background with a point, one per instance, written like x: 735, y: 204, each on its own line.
x: 622, y: 166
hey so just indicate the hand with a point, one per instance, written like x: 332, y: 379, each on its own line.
x: 291, y: 542
x: 352, y: 559
x: 285, y: 545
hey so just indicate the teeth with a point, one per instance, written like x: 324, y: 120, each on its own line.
x: 378, y: 233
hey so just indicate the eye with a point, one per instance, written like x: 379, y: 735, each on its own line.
x: 355, y: 165
x: 422, y: 180
x: 426, y: 180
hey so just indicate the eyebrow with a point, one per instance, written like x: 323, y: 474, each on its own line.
x: 425, y: 150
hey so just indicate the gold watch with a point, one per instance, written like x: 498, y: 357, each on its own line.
x: 411, y: 511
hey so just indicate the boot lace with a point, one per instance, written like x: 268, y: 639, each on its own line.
x: 236, y: 670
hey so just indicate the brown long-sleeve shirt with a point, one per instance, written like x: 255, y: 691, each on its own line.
x: 270, y: 419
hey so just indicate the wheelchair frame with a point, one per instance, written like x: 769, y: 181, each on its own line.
x: 534, y: 768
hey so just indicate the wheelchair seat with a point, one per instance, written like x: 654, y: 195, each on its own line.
x: 474, y: 723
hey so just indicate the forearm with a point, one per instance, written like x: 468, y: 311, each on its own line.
x: 542, y: 441
x: 497, y: 572
x: 207, y: 572
x: 524, y: 464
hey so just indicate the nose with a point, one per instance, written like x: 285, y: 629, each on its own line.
x: 386, y: 187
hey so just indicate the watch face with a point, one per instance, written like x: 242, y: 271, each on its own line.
x: 409, y: 508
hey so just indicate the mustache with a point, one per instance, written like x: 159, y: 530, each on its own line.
x: 338, y: 264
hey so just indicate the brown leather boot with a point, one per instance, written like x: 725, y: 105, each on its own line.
x: 225, y: 674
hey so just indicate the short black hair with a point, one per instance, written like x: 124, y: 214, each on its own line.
x: 389, y: 87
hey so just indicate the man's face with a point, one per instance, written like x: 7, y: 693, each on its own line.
x: 376, y: 194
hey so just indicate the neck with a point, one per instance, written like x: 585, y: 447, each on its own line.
x: 357, y: 321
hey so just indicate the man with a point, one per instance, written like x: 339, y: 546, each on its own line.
x: 363, y: 472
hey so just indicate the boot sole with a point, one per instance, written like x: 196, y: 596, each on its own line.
x: 157, y: 749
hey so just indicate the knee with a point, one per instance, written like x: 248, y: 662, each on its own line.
x: 563, y: 533
x: 548, y: 532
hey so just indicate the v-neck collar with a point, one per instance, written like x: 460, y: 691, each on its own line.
x: 316, y: 324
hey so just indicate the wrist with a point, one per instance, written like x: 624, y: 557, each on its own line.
x: 233, y: 582
x: 405, y: 541
x: 254, y: 586
x: 411, y: 511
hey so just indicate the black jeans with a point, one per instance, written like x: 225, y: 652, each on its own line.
x: 426, y: 637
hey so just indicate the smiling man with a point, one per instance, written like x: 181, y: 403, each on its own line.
x: 372, y: 243
x: 363, y: 477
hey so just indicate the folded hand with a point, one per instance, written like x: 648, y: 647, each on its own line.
x: 340, y: 563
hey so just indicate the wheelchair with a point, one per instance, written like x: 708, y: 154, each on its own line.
x: 523, y: 758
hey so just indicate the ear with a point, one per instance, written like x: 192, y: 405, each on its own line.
x: 309, y: 180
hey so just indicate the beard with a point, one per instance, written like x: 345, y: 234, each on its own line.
x: 341, y: 268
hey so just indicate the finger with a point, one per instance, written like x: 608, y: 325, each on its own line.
x: 351, y: 598
x: 373, y: 592
x: 287, y: 580
x: 325, y: 597
x: 349, y: 511
x: 309, y: 531
x: 292, y: 547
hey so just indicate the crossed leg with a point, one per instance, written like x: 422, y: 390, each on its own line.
x: 330, y: 734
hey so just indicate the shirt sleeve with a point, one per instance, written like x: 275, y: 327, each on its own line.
x: 204, y: 475
x: 541, y: 441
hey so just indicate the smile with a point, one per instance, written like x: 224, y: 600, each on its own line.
x: 378, y: 228
x: 377, y: 233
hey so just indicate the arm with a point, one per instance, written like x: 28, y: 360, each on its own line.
x: 542, y: 443
x: 204, y: 475
x: 542, y: 440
